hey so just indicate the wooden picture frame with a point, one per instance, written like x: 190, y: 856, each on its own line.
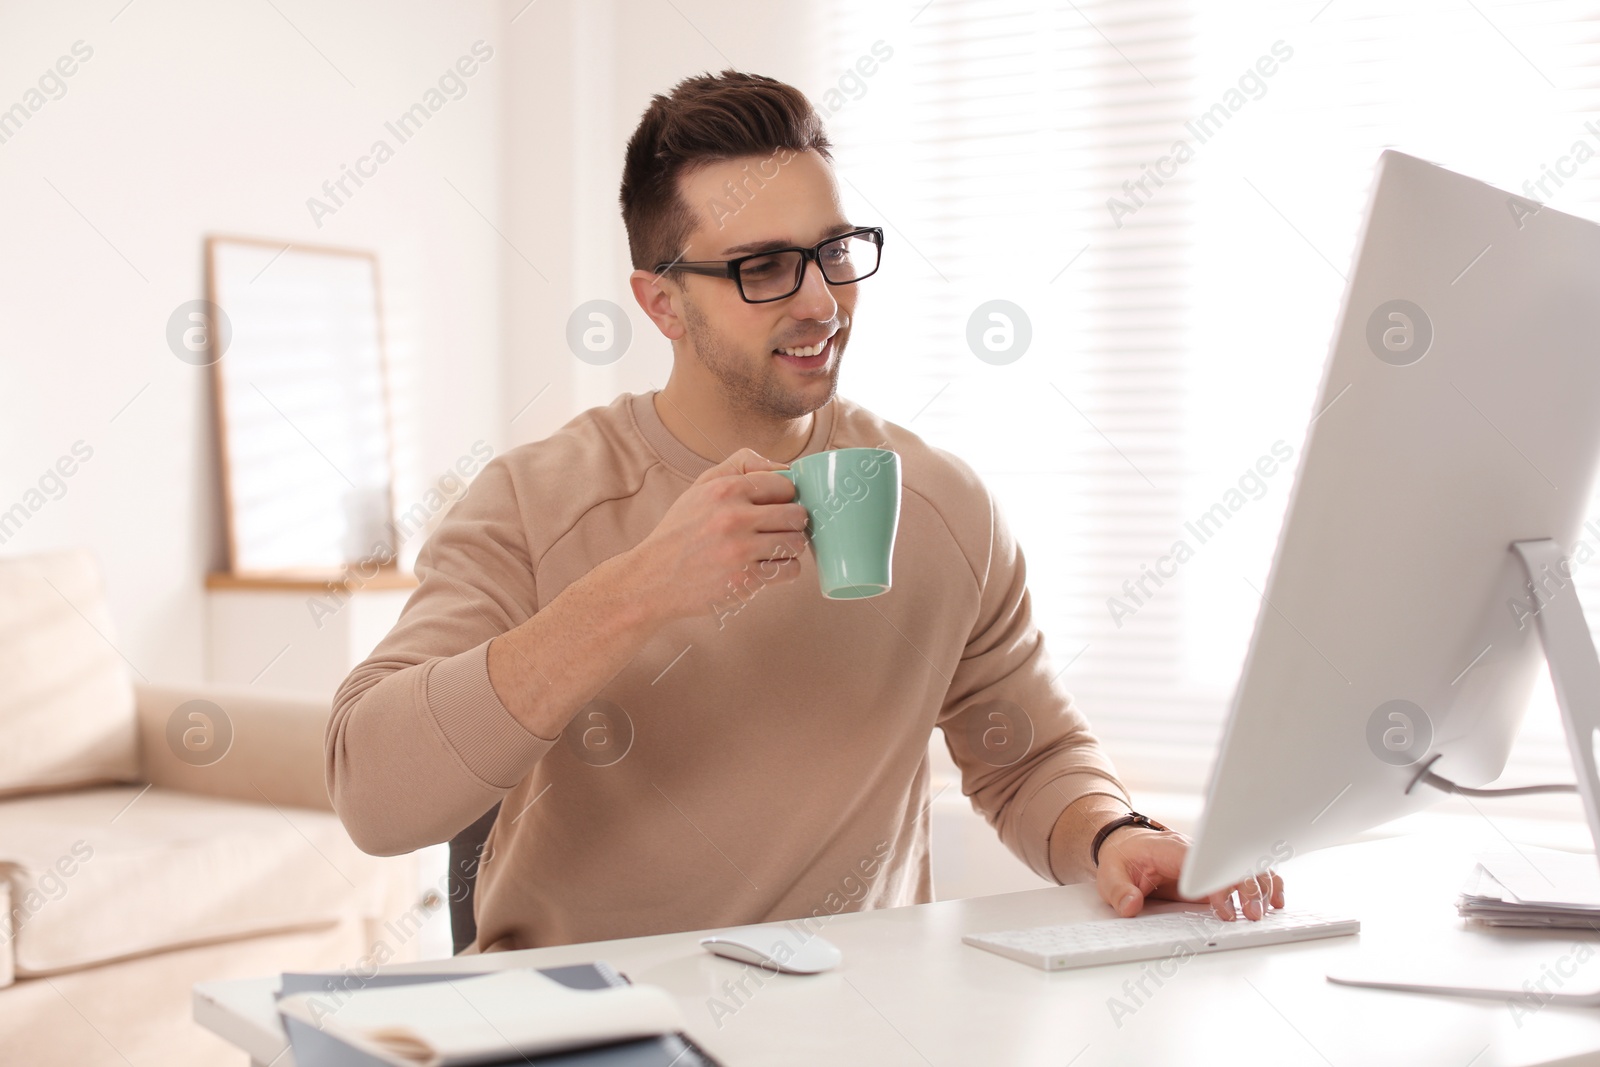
x: 304, y: 416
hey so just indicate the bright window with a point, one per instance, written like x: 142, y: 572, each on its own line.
x: 1178, y: 321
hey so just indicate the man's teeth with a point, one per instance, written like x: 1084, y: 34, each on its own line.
x: 811, y: 350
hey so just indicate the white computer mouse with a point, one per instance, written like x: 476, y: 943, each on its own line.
x: 777, y: 948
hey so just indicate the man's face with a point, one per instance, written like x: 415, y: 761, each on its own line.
x: 787, y: 199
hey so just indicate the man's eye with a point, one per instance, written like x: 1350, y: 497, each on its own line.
x: 757, y: 268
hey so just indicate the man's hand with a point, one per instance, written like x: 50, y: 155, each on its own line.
x: 1136, y: 863
x: 737, y: 523
x: 736, y: 528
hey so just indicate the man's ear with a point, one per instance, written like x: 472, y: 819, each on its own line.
x: 657, y: 302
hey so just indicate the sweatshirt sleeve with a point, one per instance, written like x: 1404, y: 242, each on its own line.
x: 1024, y: 749
x: 419, y: 745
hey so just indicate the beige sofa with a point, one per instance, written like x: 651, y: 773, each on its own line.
x: 155, y: 836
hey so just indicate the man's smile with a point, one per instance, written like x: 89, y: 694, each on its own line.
x: 814, y: 356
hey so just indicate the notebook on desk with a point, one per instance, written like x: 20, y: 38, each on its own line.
x: 316, y: 1047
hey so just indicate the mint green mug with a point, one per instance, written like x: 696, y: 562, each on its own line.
x: 852, y: 498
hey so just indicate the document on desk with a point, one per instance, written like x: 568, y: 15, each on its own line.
x: 484, y: 1019
x: 1535, y: 887
x: 1525, y: 886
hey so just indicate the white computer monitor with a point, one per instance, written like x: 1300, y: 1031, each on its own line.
x: 1459, y: 413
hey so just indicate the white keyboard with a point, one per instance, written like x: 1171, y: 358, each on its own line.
x: 1151, y: 937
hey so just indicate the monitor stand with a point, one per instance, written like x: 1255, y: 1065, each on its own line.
x: 1569, y: 651
x: 1575, y: 673
x: 1574, y: 666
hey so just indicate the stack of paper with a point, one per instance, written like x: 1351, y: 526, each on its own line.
x: 484, y: 1018
x: 1529, y: 886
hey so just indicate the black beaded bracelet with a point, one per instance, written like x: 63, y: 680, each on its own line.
x: 1133, y: 818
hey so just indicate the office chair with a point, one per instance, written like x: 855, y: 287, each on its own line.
x: 466, y: 848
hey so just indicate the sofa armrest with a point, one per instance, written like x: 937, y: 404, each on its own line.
x: 274, y: 754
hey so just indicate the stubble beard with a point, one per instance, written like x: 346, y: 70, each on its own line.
x: 757, y: 390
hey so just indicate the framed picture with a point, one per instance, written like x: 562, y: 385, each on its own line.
x: 297, y: 356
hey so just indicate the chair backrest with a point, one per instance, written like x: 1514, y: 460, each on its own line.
x: 466, y: 853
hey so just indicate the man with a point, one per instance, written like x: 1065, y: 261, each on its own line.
x: 618, y: 638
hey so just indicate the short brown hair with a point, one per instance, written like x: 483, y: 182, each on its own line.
x: 708, y: 118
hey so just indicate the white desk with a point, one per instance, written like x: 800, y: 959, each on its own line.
x: 910, y: 993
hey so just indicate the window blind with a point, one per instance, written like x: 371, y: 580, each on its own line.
x: 1164, y: 195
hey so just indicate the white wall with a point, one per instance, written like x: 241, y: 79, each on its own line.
x: 192, y: 118
x: 581, y: 75
x: 491, y: 225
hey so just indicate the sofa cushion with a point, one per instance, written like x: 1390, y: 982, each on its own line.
x: 66, y: 697
x: 108, y: 873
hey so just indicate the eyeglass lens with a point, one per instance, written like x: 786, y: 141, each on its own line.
x: 779, y: 274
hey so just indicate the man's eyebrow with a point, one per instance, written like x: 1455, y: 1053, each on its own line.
x: 767, y: 246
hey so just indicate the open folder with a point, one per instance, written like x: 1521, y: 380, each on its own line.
x: 584, y: 1015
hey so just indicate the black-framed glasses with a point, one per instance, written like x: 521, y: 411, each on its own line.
x: 779, y: 272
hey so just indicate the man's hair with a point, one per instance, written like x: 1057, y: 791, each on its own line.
x: 706, y: 119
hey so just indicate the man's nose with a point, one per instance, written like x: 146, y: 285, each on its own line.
x: 815, y: 297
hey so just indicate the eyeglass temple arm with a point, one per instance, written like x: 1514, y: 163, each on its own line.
x: 719, y: 270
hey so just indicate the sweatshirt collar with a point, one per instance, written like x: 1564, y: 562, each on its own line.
x: 685, y: 460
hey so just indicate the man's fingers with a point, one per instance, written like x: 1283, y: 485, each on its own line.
x: 766, y: 487
x: 757, y: 483
x: 743, y: 461
x: 1257, y: 894
x: 762, y: 486
x: 1125, y: 898
x: 779, y: 546
x: 1116, y: 887
x: 1250, y: 898
x: 781, y: 517
x: 1134, y: 865
x: 748, y: 459
x: 780, y: 570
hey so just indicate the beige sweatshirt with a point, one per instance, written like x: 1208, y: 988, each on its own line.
x: 766, y: 760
